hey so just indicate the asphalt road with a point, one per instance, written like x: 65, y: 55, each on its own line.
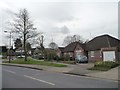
x: 19, y: 77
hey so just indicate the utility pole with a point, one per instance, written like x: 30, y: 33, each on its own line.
x: 42, y: 47
x: 9, y: 46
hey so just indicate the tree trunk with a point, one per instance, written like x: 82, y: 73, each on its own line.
x: 25, y: 38
x: 25, y: 56
x: 25, y: 48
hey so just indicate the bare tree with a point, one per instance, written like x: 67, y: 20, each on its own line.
x: 74, y: 38
x: 28, y: 47
x: 24, y: 28
x: 39, y: 41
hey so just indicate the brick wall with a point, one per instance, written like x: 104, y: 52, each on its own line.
x: 79, y: 50
x: 94, y: 56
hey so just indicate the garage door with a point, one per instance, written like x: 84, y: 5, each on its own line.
x: 108, y: 55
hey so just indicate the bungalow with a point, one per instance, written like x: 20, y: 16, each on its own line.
x: 105, y: 47
x: 101, y: 48
x: 74, y: 49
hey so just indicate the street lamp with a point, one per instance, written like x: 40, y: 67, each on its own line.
x: 9, y: 46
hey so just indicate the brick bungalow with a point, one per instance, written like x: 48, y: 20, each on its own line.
x: 104, y: 47
x: 72, y: 49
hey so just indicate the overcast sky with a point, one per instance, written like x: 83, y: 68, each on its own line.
x: 59, y: 19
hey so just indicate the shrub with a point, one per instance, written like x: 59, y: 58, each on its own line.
x: 61, y: 58
x: 4, y: 56
x: 106, y: 64
x: 67, y: 57
x: 52, y: 56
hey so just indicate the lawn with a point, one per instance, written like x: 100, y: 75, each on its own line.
x: 35, y: 62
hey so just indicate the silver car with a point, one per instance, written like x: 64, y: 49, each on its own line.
x: 81, y: 58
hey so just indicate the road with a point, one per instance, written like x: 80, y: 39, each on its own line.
x: 19, y: 77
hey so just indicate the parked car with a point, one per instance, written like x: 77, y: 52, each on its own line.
x: 81, y: 59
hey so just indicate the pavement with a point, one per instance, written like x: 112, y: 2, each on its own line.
x: 78, y: 69
x: 111, y: 74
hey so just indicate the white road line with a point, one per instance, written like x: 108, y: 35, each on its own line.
x: 9, y: 71
x: 72, y: 75
x: 39, y: 80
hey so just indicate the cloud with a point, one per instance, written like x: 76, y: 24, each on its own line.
x: 60, y: 30
x: 64, y: 30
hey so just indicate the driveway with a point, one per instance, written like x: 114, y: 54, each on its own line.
x: 81, y: 68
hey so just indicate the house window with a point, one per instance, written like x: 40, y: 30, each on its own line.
x: 92, y: 53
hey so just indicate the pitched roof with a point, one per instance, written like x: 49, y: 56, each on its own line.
x: 102, y: 42
x: 61, y: 49
x: 71, y: 47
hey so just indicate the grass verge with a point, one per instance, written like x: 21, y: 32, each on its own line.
x: 34, y: 62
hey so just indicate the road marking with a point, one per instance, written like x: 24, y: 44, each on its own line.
x: 9, y: 71
x: 72, y: 75
x: 39, y: 80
